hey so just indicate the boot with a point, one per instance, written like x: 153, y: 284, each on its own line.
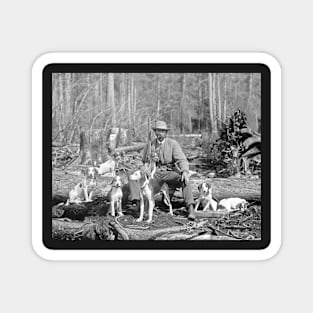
x: 191, y: 212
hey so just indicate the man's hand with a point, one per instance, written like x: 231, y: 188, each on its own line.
x: 185, y: 178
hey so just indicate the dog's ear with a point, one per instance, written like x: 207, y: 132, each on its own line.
x: 208, y: 185
x: 143, y: 177
x: 200, y: 187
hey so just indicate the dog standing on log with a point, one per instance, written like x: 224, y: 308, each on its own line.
x: 116, y: 195
x: 206, y: 197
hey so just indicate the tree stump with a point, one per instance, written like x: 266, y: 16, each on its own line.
x: 93, y: 147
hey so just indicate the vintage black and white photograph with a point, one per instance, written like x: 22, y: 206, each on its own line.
x: 156, y: 156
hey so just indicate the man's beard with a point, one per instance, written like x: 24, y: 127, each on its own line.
x: 160, y: 138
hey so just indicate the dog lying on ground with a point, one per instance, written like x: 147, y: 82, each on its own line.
x: 206, y: 197
x: 107, y: 168
x: 232, y: 204
x: 115, y: 196
x: 147, y: 193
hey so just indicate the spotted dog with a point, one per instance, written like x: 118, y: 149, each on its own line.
x: 82, y: 192
x: 206, y: 197
x: 232, y: 204
x: 107, y: 168
x: 146, y: 192
x: 116, y: 195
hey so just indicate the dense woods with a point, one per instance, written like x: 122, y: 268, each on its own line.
x: 189, y: 102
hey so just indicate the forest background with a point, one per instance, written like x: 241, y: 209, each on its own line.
x: 188, y: 102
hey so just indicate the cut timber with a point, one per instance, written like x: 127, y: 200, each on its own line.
x: 136, y: 147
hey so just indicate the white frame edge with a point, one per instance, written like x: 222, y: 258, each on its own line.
x: 156, y: 57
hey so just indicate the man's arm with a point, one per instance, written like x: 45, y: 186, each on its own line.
x: 180, y: 157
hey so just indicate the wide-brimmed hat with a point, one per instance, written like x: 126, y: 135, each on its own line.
x: 160, y: 125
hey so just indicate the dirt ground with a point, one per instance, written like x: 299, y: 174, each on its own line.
x: 85, y: 219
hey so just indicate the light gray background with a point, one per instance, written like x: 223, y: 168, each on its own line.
x: 30, y: 28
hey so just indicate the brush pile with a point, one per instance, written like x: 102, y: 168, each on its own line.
x: 236, y: 139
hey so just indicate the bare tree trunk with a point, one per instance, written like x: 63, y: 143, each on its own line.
x: 169, y: 94
x: 250, y: 91
x: 61, y: 103
x: 111, y: 101
x: 122, y: 98
x: 214, y: 104
x: 200, y: 115
x: 236, y: 93
x: 95, y: 96
x: 129, y: 107
x: 211, y: 104
x: 101, y: 92
x: 225, y: 100
x: 67, y: 105
x: 181, y: 106
x: 88, y: 79
x: 158, y: 96
x: 219, y: 111
x: 134, y: 102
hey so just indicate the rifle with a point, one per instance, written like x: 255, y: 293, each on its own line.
x: 148, y: 153
x: 147, y: 159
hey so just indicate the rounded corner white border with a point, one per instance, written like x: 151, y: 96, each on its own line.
x: 156, y: 57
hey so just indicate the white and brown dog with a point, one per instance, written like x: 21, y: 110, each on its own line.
x: 147, y: 193
x: 82, y: 192
x: 107, y: 168
x: 166, y: 198
x: 116, y: 195
x: 206, y: 197
x: 232, y: 204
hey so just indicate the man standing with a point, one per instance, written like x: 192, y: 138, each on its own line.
x: 172, y: 167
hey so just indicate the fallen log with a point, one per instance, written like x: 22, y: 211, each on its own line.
x: 210, y: 214
x: 231, y: 187
x: 177, y: 236
x: 153, y: 234
x: 136, y: 147
x: 134, y: 234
